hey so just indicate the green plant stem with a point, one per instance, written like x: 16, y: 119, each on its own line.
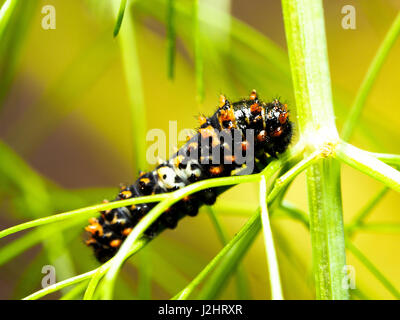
x: 28, y: 240
x: 94, y: 281
x: 305, y: 33
x: 79, y: 212
x: 370, y: 78
x: 364, y: 162
x: 391, y: 159
x: 131, y: 64
x: 294, y: 171
x: 217, y: 225
x: 75, y: 292
x: 120, y: 17
x: 272, y: 260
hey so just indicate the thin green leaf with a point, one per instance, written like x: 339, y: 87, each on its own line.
x: 272, y: 261
x: 391, y: 159
x: 120, y: 17
x: 364, y: 162
x: 79, y: 212
x: 370, y: 78
x: 133, y: 77
x: 16, y: 247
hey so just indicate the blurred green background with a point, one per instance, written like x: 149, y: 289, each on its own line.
x: 64, y: 111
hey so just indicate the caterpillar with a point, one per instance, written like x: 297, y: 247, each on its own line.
x: 260, y: 131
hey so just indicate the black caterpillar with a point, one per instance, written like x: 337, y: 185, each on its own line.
x: 270, y: 130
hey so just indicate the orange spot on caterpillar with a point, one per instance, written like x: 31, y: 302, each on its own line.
x: 227, y: 116
x: 262, y: 136
x: 90, y: 241
x: 145, y: 180
x: 216, y: 170
x: 95, y: 228
x: 93, y: 220
x: 255, y: 108
x: 277, y: 132
x: 125, y: 194
x: 202, y: 120
x: 127, y: 231
x: 282, y: 117
x: 115, y: 243
x: 253, y: 95
x: 210, y: 132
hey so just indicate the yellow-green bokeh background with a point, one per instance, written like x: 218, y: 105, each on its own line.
x: 66, y: 113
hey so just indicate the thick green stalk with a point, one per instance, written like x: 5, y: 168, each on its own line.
x: 305, y: 32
